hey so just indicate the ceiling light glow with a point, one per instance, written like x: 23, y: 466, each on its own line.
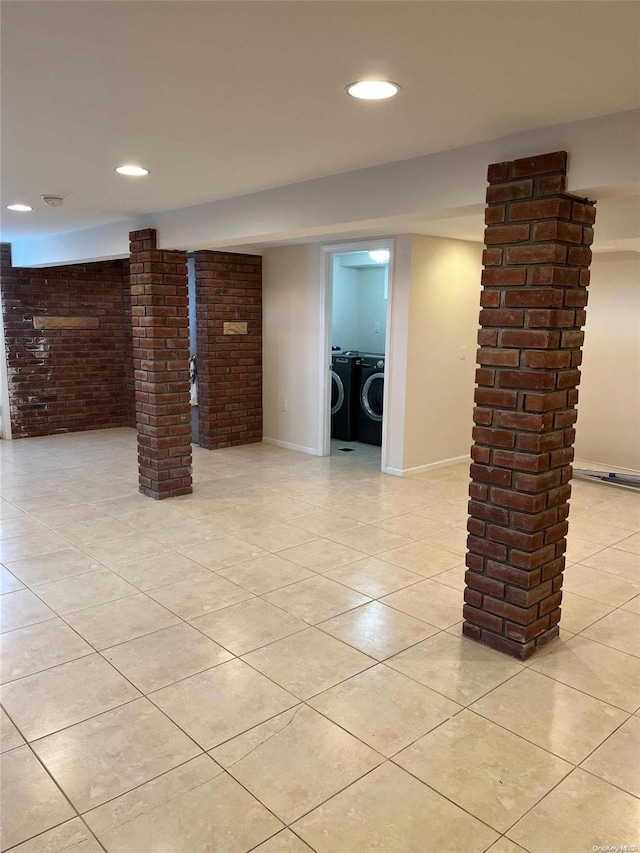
x: 373, y: 90
x: 132, y: 171
x: 380, y: 256
x: 21, y: 208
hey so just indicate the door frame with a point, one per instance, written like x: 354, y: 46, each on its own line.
x: 326, y: 317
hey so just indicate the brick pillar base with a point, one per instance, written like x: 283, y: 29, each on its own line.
x: 160, y: 316
x: 533, y: 299
x: 228, y: 299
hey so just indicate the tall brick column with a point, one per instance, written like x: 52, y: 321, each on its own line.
x: 533, y: 299
x: 160, y: 317
x: 228, y: 298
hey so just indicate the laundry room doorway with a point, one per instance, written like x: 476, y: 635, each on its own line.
x: 357, y: 296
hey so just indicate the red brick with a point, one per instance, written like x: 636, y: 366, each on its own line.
x: 504, y: 277
x: 502, y: 234
x: 509, y: 191
x: 530, y: 339
x: 537, y: 253
x: 498, y: 357
x: 540, y: 165
x: 501, y: 317
x: 532, y: 298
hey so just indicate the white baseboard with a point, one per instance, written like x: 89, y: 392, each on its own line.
x: 421, y: 469
x: 602, y: 466
x: 287, y: 445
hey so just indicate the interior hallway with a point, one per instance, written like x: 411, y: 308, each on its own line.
x: 274, y: 663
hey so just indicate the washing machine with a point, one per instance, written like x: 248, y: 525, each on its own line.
x: 370, y: 399
x: 345, y: 385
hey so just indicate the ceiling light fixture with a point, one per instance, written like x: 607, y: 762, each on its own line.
x: 132, y: 171
x: 380, y: 256
x: 373, y: 90
x: 21, y: 208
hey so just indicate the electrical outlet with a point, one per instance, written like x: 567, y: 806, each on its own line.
x: 376, y: 328
x: 283, y: 405
x: 463, y: 353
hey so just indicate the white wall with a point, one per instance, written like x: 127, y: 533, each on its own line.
x: 443, y: 317
x: 291, y: 345
x: 346, y: 306
x: 358, y: 304
x: 608, y: 428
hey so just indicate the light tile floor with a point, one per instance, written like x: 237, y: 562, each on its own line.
x: 275, y: 663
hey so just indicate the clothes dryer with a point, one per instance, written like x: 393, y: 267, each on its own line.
x: 371, y: 399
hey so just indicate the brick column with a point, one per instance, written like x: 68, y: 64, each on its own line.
x: 533, y: 299
x: 160, y: 316
x: 229, y: 295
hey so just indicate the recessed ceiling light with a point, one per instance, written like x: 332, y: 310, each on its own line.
x: 132, y: 171
x: 373, y: 90
x: 21, y: 208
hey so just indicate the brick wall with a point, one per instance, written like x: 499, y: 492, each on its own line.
x: 533, y: 307
x: 159, y: 308
x: 63, y: 380
x: 130, y: 384
x: 229, y: 289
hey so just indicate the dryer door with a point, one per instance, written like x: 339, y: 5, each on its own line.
x: 337, y: 392
x: 372, y: 395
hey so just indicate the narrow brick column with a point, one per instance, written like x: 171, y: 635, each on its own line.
x: 160, y: 317
x: 533, y: 299
x: 228, y: 296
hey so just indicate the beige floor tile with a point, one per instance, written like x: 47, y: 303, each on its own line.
x: 222, y: 702
x: 633, y: 605
x: 619, y: 630
x: 240, y: 521
x: 265, y: 574
x: 548, y: 713
x: 384, y: 708
x: 285, y: 509
x: 224, y: 552
x: 9, y: 582
x: 183, y: 533
x: 503, y: 845
x: 22, y: 608
x: 126, y: 549
x: 20, y: 526
x: 370, y: 816
x: 602, y: 534
x: 283, y: 842
x: 454, y: 539
x: 579, y: 612
x: 488, y: 771
x: 90, y: 532
x: 248, y: 625
x: 167, y: 656
x: 372, y: 512
x: 607, y: 674
x: 277, y: 537
x: 582, y: 813
x: 325, y: 522
x: 451, y: 514
x: 119, y: 621
x: 600, y: 586
x: 9, y: 510
x: 308, y: 662
x: 10, y: 737
x: 107, y: 755
x: 78, y: 593
x: 373, y: 577
x: 412, y: 526
x: 316, y: 599
x: 614, y: 761
x: 626, y: 564
x: 26, y: 547
x: 322, y: 555
x: 31, y: 803
x: 71, y: 515
x: 217, y: 815
x: 201, y: 594
x: 579, y: 549
x: 160, y: 570
x: 452, y: 577
x: 422, y: 558
x: 370, y: 540
x: 630, y: 544
x: 296, y: 761
x: 52, y: 567
x: 458, y: 668
x: 70, y: 836
x: 431, y: 602
x: 39, y: 647
x: 48, y: 701
x: 377, y: 630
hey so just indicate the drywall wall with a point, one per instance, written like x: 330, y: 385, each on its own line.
x: 443, y: 317
x: 608, y: 427
x: 359, y: 308
x: 291, y: 346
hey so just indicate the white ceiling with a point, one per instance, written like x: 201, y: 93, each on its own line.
x: 221, y: 99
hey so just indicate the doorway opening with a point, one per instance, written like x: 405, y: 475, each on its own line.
x: 358, y: 290
x: 193, y: 369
